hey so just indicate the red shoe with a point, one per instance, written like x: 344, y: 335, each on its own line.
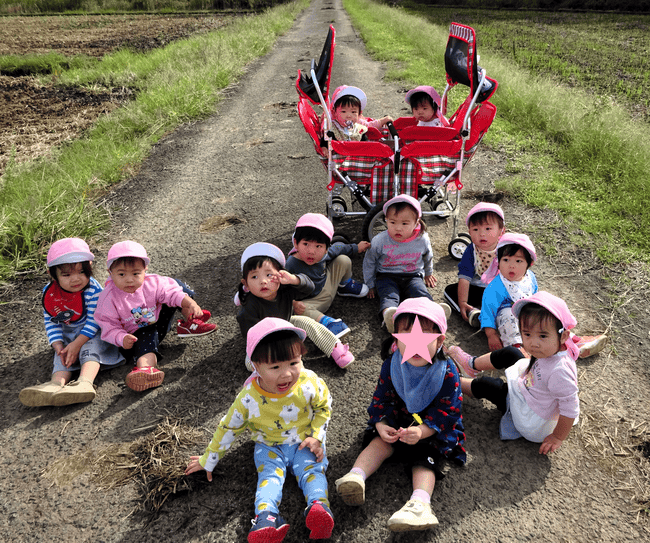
x: 319, y: 520
x: 196, y: 326
x: 140, y: 379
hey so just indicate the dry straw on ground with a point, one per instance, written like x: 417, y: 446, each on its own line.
x: 156, y: 462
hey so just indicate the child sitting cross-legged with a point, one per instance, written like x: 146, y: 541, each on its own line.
x: 329, y: 268
x: 136, y: 309
x: 415, y: 415
x: 287, y: 408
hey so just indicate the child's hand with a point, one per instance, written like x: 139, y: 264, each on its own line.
x: 385, y: 120
x: 70, y: 354
x: 129, y: 341
x: 550, y: 444
x: 363, y: 246
x: 410, y: 435
x: 387, y: 433
x: 495, y: 343
x: 371, y: 293
x: 190, y: 309
x: 58, y: 347
x: 286, y: 278
x: 195, y: 465
x: 299, y: 307
x: 314, y: 446
x: 430, y: 281
x: 465, y: 309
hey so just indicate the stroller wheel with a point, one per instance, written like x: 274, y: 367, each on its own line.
x: 440, y: 206
x: 457, y: 247
x: 373, y: 223
x: 466, y: 236
x: 339, y: 207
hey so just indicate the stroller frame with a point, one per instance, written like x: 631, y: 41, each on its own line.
x: 445, y: 150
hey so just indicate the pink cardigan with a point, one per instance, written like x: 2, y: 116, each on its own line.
x: 120, y: 313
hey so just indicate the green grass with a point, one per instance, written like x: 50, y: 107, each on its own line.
x: 49, y: 199
x: 570, y: 150
x: 45, y: 64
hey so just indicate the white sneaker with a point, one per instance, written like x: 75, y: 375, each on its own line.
x: 447, y: 309
x: 388, y: 319
x: 39, y: 395
x: 415, y: 515
x: 352, y: 489
x: 473, y: 318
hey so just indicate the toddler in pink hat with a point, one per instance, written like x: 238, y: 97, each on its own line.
x: 136, y: 309
x: 69, y: 302
x: 415, y: 415
x: 328, y: 266
x: 346, y: 110
x: 287, y: 409
x: 485, y: 222
x: 425, y: 105
x: 539, y: 399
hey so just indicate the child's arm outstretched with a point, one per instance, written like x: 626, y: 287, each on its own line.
x: 553, y: 441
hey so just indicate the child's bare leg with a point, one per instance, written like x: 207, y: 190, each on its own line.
x: 89, y: 371
x: 466, y: 387
x: 423, y: 479
x: 416, y: 513
x: 373, y: 456
x: 148, y: 359
x: 61, y: 377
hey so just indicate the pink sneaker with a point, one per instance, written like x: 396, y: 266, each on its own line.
x: 590, y: 345
x: 196, y: 326
x: 342, y: 355
x: 140, y: 379
x: 462, y: 361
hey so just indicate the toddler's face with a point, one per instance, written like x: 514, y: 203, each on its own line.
x: 310, y: 252
x: 423, y: 112
x: 541, y: 339
x: 263, y: 282
x: 486, y: 235
x: 428, y: 328
x: 71, y: 277
x: 279, y: 377
x: 346, y: 114
x: 401, y: 224
x: 128, y: 277
x: 514, y: 267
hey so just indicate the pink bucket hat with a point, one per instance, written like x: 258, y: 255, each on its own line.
x: 318, y: 221
x: 425, y: 89
x: 346, y: 90
x: 265, y: 327
x: 557, y: 308
x: 407, y: 199
x: 482, y: 207
x: 69, y: 251
x: 124, y: 249
x: 509, y: 239
x: 424, y: 308
x: 263, y: 249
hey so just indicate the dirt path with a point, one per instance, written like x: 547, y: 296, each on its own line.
x: 253, y: 166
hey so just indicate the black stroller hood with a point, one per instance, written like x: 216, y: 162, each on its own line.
x: 323, y: 69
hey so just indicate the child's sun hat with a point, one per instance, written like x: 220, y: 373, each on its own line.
x: 433, y: 93
x: 509, y: 239
x: 124, y: 249
x: 558, y: 308
x: 426, y: 308
x: 263, y: 249
x: 413, y: 202
x: 347, y: 90
x: 318, y: 221
x: 483, y: 207
x: 267, y: 326
x: 69, y: 251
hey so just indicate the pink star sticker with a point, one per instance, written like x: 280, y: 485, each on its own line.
x: 417, y: 342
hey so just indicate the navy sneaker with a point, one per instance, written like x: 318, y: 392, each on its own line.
x: 338, y: 328
x: 353, y: 288
x: 319, y: 520
x: 268, y: 527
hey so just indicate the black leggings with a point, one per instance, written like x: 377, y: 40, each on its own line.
x: 495, y: 389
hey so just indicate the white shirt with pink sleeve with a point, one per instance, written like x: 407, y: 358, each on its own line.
x: 120, y: 313
x: 538, y: 397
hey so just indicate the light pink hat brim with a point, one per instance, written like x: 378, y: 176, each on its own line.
x: 318, y: 221
x: 482, y: 207
x: 407, y: 199
x: 124, y: 249
x: 69, y: 251
x: 425, y: 89
x: 268, y: 326
x: 263, y: 249
x: 424, y: 308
